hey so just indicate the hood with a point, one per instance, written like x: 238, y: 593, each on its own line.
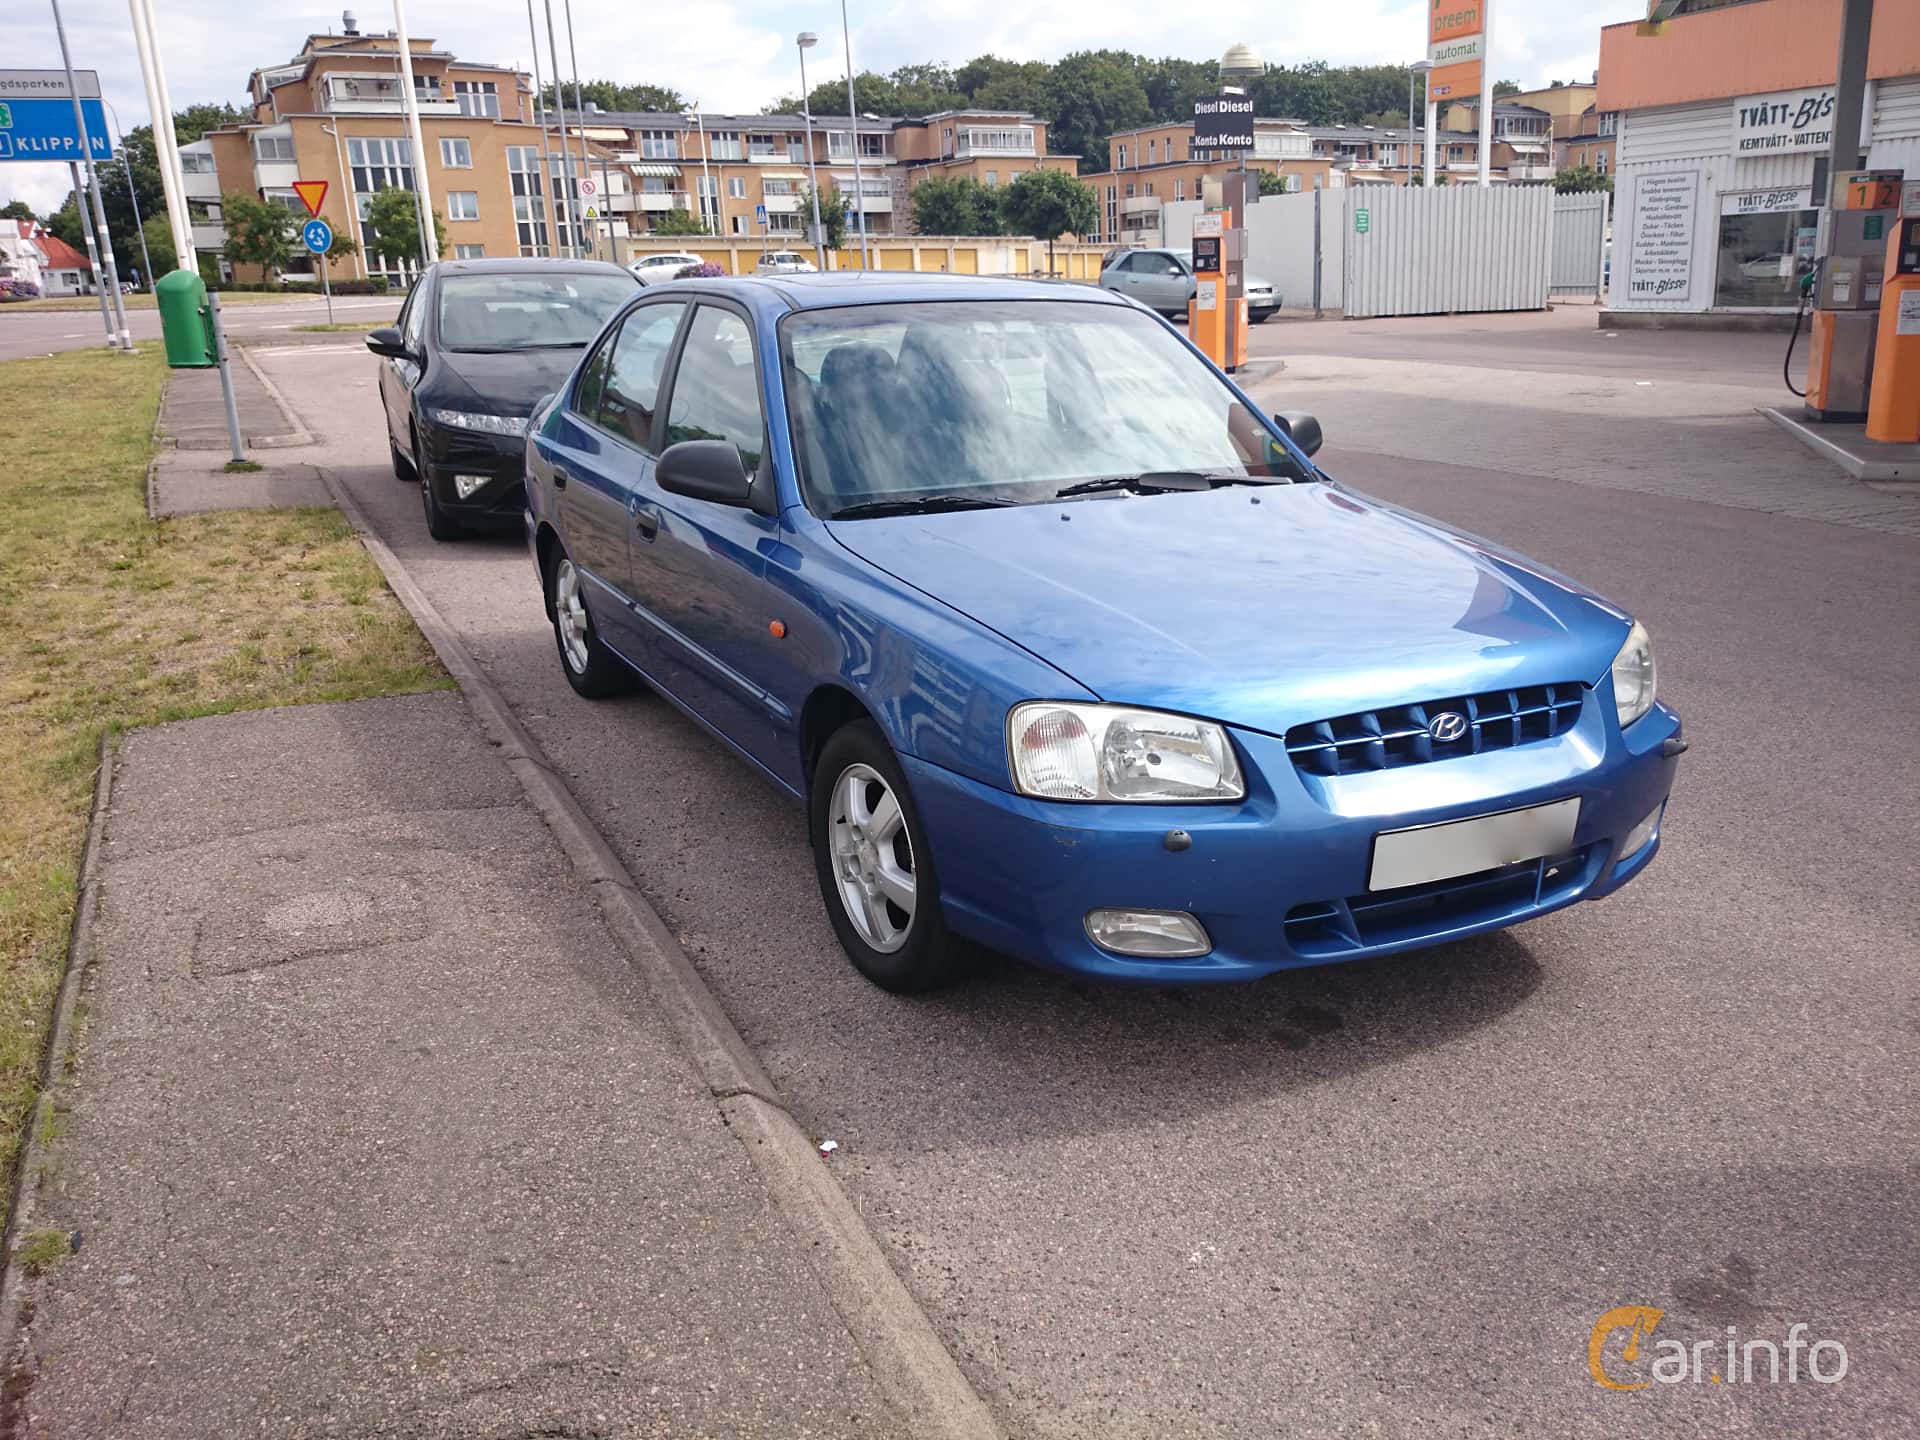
x: 1310, y: 603
x: 511, y: 383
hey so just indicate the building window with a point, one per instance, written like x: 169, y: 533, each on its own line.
x: 477, y: 97
x: 776, y: 187
x: 463, y: 205
x: 993, y: 179
x: 1179, y: 190
x: 455, y: 153
x: 659, y: 145
x: 1129, y: 190
x: 529, y: 199
x: 709, y: 190
x: 725, y: 145
x: 1608, y: 123
x: 1153, y: 152
x: 737, y: 187
x: 196, y: 162
x: 271, y: 148
x: 1759, y: 258
x: 288, y: 201
x: 1600, y: 160
x: 1122, y: 163
x: 469, y: 252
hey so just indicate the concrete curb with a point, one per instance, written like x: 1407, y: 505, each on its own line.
x: 15, y: 1309
x: 296, y: 433
x: 912, y: 1365
x: 1893, y: 468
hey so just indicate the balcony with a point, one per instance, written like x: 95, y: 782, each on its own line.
x: 781, y: 204
x: 1140, y: 205
x: 1518, y: 171
x: 209, y: 235
x: 969, y: 144
x: 379, y: 95
x: 275, y: 174
x: 650, y: 201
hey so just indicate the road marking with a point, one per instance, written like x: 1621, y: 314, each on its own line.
x: 307, y: 349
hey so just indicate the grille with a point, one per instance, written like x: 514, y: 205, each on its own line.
x: 1398, y: 735
x: 1385, y: 918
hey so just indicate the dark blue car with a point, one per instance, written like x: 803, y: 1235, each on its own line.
x: 1069, y: 650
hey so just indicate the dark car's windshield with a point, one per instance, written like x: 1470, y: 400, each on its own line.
x: 1014, y: 400
x: 527, y: 311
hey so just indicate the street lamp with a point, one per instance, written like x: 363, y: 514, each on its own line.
x: 1240, y: 64
x: 706, y: 170
x: 853, y: 124
x: 1418, y: 67
x: 805, y: 41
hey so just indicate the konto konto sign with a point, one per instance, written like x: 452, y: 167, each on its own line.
x: 1224, y: 122
x: 1784, y: 120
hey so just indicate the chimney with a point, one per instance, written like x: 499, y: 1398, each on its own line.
x: 348, y: 25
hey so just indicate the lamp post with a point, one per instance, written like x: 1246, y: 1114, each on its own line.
x: 133, y: 199
x: 804, y: 42
x: 853, y: 124
x: 706, y: 170
x: 1241, y: 64
x: 1418, y: 67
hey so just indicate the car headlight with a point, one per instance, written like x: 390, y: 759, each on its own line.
x: 1633, y: 676
x: 474, y: 420
x: 1063, y: 751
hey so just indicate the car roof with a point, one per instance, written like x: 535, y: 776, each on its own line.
x: 833, y: 289
x: 527, y: 265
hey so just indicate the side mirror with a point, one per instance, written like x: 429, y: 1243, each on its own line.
x: 387, y: 342
x: 706, y: 470
x: 1301, y: 428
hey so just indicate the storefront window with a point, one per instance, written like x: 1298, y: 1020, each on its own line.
x: 1761, y: 257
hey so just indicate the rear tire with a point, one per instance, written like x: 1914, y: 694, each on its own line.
x: 591, y: 669
x: 402, y: 467
x: 874, y: 865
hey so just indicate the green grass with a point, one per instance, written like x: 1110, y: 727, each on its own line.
x: 40, y: 1248
x: 109, y: 620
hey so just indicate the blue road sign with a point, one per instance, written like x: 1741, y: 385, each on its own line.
x: 760, y: 216
x: 317, y: 235
x: 43, y: 129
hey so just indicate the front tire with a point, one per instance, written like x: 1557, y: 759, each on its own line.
x: 874, y: 865
x: 593, y: 670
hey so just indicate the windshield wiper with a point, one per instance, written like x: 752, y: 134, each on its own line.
x: 1156, y: 482
x: 925, y: 505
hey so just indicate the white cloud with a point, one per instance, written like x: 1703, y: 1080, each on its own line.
x: 739, y: 54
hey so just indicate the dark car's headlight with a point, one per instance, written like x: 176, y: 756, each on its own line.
x: 476, y: 420
x: 1065, y: 751
x: 1633, y: 676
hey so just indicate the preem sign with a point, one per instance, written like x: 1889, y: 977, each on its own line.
x: 1785, y: 120
x: 1456, y: 47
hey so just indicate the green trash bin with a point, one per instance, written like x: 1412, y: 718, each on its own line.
x: 184, y: 323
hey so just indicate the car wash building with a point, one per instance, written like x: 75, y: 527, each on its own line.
x: 1723, y: 117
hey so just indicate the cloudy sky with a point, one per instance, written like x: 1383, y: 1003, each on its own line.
x: 738, y: 54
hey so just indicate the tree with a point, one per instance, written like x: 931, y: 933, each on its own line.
x: 17, y: 210
x: 159, y: 233
x: 1505, y: 87
x: 1050, y: 203
x: 961, y: 206
x: 1582, y: 177
x: 612, y: 95
x: 833, y: 213
x: 393, y: 215
x: 679, y: 222
x: 1272, y: 184
x: 343, y: 246
x: 258, y: 232
x: 996, y: 84
x: 196, y: 120
x: 1088, y: 96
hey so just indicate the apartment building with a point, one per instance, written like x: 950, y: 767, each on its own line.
x: 334, y: 113
x: 1592, y: 143
x: 1523, y: 134
x: 1153, y: 164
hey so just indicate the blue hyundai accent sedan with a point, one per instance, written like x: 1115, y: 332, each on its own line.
x: 1069, y: 650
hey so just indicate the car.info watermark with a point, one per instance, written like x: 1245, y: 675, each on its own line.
x: 1623, y: 1355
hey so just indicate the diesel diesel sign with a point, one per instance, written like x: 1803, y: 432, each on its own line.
x: 1223, y: 123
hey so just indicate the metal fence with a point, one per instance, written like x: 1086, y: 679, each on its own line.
x: 1451, y: 249
x: 1579, y: 235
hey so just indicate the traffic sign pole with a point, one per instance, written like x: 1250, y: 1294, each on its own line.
x: 316, y: 234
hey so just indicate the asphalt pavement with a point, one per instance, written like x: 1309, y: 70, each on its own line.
x: 1389, y: 1197
x: 41, y: 332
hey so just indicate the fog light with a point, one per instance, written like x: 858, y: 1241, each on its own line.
x: 465, y: 485
x: 1640, y: 834
x: 1151, y: 934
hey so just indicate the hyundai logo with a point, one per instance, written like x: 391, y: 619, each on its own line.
x: 1447, y: 725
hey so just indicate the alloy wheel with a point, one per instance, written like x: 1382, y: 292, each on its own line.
x: 570, y: 616
x: 872, y: 857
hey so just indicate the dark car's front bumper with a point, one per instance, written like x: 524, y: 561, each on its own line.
x: 1280, y: 879
x: 498, y: 462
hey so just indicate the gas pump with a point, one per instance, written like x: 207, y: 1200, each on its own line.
x: 1893, y: 414
x: 1849, y: 284
x: 1217, y: 251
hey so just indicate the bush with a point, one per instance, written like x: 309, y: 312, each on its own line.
x: 360, y: 287
x: 708, y: 271
x: 18, y: 290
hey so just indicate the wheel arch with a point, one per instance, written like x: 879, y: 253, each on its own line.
x: 828, y: 709
x: 547, y: 547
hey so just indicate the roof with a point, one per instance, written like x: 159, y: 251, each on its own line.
x: 60, y: 255
x: 825, y: 291
x: 527, y: 263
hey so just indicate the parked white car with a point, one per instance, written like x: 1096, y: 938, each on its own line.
x: 785, y: 262
x: 651, y: 269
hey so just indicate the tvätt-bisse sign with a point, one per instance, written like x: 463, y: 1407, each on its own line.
x: 1785, y: 120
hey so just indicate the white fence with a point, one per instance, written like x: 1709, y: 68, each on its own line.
x: 1579, y: 230
x: 1448, y: 250
x: 1280, y: 242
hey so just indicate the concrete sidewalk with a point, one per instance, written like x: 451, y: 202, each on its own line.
x: 193, y: 414
x: 376, y: 1132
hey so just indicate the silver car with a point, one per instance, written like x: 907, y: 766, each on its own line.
x: 1163, y: 280
x: 785, y: 262
x: 667, y: 265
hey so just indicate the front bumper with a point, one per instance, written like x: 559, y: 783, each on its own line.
x: 501, y: 459
x: 1279, y: 880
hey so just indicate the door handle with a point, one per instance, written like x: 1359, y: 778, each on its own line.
x: 559, y: 477
x: 647, y: 523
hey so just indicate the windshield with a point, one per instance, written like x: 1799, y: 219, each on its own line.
x: 528, y: 311
x: 1013, y: 400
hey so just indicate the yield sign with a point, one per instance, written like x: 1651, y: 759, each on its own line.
x: 311, y: 193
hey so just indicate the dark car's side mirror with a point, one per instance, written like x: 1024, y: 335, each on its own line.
x: 1301, y: 428
x: 387, y: 342
x: 706, y: 470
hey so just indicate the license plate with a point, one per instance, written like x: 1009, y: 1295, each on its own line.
x: 1464, y: 847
